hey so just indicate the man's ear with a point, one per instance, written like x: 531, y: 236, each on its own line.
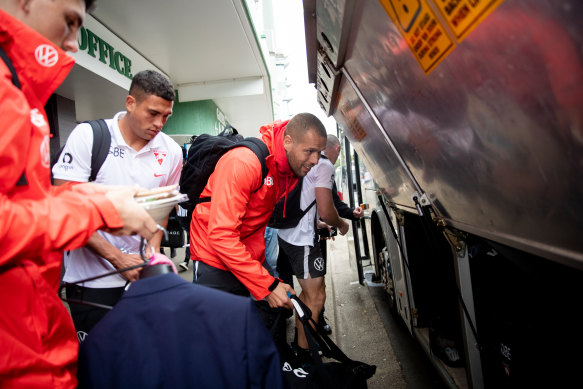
x: 130, y: 103
x: 24, y: 5
x: 288, y: 142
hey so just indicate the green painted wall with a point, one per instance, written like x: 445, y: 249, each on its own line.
x: 195, y: 118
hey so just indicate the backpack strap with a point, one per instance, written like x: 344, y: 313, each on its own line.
x: 10, y: 66
x: 100, y: 149
x: 22, y: 180
x: 261, y: 151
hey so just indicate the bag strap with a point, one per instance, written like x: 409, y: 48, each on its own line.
x: 22, y: 180
x: 10, y: 66
x: 100, y: 149
x: 261, y: 151
x: 315, y: 336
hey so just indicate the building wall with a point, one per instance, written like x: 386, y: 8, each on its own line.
x: 195, y: 118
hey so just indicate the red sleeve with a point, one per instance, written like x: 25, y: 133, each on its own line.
x: 56, y: 222
x: 236, y: 176
x: 61, y: 218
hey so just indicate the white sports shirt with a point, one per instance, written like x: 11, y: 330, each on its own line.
x: 320, y: 176
x: 159, y: 163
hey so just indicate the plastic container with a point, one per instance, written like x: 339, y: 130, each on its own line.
x: 160, y: 209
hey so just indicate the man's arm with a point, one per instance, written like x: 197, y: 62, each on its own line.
x: 327, y: 210
x: 344, y: 211
x: 237, y: 175
x: 120, y: 260
x: 60, y: 219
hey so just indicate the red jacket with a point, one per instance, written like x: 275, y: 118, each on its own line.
x: 37, y: 338
x: 228, y: 232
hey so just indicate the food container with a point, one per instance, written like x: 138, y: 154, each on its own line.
x: 159, y: 202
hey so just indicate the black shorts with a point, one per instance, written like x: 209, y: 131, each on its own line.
x: 304, y: 260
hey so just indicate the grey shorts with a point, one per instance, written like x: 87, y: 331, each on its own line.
x: 304, y: 260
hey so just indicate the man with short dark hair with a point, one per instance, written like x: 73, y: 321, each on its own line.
x: 227, y: 233
x: 39, y: 222
x: 139, y: 154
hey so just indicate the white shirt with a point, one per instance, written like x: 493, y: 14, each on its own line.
x: 159, y: 163
x: 320, y: 176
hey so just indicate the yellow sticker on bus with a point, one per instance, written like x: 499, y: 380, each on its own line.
x: 427, y: 36
x: 462, y: 16
x: 424, y: 33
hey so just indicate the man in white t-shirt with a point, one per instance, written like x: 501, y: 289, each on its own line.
x: 300, y: 245
x: 139, y: 154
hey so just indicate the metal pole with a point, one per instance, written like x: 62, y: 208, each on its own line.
x: 354, y: 223
x: 361, y: 222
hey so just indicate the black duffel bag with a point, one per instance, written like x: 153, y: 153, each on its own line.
x: 341, y: 373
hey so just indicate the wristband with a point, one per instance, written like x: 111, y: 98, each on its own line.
x: 273, y: 285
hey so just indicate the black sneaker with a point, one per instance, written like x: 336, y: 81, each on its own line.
x: 324, y: 325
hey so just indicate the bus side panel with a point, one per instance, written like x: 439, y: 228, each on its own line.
x: 493, y: 134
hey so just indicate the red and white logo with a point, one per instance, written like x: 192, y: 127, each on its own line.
x: 45, y: 152
x: 160, y: 156
x: 37, y: 118
x: 46, y: 55
x: 268, y: 181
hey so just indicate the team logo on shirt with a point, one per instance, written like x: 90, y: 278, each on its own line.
x: 45, y: 151
x: 67, y: 158
x: 160, y: 156
x: 268, y: 181
x: 46, y: 55
x: 37, y: 118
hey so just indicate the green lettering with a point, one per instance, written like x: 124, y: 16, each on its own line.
x: 103, y: 50
x: 127, y: 67
x: 82, y: 39
x: 111, y: 53
x: 93, y: 41
x: 117, y: 57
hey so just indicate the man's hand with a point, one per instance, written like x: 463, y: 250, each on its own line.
x: 342, y: 230
x: 127, y: 260
x: 358, y: 212
x: 278, y: 298
x: 135, y: 218
x: 321, y: 224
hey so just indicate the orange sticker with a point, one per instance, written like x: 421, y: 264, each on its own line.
x: 425, y: 35
x: 352, y: 123
x: 462, y: 16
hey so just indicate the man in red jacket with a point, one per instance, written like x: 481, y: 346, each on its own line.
x: 37, y: 337
x: 226, y: 234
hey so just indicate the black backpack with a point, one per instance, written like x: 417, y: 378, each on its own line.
x: 204, y: 153
x: 99, y: 150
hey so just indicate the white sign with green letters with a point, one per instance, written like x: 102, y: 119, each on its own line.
x: 103, y: 53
